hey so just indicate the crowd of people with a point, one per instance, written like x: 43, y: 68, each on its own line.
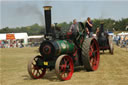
x: 121, y: 40
x: 11, y: 44
x: 19, y: 43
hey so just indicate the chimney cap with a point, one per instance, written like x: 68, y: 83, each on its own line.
x: 47, y: 7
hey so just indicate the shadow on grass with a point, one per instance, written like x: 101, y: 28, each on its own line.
x: 26, y: 77
x: 51, y: 76
x: 105, y: 53
x: 79, y: 68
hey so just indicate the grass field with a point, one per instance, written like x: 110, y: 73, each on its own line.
x: 113, y: 69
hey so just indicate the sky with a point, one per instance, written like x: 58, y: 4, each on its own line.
x: 18, y: 13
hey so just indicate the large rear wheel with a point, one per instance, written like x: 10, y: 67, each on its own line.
x: 64, y: 67
x: 34, y: 70
x: 90, y: 54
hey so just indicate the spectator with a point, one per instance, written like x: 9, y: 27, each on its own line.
x: 0, y: 44
x: 117, y: 40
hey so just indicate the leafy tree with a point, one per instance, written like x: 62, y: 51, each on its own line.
x: 36, y: 29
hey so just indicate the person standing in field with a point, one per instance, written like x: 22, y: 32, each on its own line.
x: 88, y: 27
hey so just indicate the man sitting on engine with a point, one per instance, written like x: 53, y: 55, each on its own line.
x: 74, y: 29
x: 88, y: 27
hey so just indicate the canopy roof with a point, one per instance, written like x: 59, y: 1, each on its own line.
x: 126, y: 33
x: 38, y: 36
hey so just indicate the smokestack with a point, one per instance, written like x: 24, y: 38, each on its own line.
x: 47, y: 14
x: 55, y: 25
x: 102, y: 27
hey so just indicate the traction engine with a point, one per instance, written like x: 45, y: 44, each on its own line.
x: 64, y: 53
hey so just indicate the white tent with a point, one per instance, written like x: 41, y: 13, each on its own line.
x: 2, y: 36
x: 123, y: 33
x: 23, y: 36
x: 37, y: 36
x: 111, y: 34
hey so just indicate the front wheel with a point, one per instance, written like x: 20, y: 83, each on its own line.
x: 64, y: 67
x: 34, y: 70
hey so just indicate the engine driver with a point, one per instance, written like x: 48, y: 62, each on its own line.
x: 74, y: 29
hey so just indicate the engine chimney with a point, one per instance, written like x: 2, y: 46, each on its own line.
x: 102, y: 27
x: 47, y: 13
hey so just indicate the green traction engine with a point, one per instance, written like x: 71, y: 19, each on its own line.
x: 64, y: 53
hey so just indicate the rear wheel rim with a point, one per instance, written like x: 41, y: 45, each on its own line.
x: 94, y: 55
x: 35, y: 71
x: 64, y: 67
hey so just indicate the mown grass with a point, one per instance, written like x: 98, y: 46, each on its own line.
x: 113, y: 69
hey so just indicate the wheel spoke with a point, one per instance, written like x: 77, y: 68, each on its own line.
x: 35, y: 59
x: 62, y: 73
x: 91, y: 61
x: 91, y: 49
x: 68, y: 71
x: 95, y: 51
x: 33, y: 71
x: 94, y: 62
x: 33, y: 67
x: 90, y: 53
x: 33, y: 64
x: 38, y: 72
x: 65, y: 61
x: 61, y: 67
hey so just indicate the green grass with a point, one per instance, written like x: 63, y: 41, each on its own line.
x: 113, y: 69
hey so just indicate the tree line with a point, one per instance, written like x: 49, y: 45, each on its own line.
x: 36, y: 29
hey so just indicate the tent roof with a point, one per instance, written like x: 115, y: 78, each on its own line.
x: 2, y: 36
x: 123, y: 33
x: 38, y: 36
